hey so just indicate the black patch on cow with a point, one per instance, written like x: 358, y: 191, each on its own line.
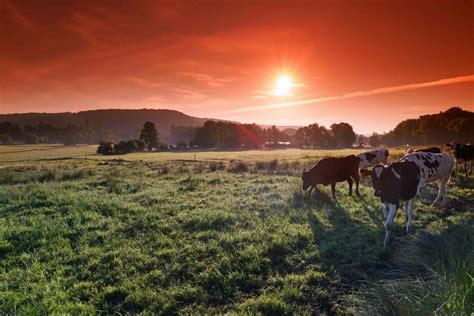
x: 430, y: 164
x: 392, y: 189
x: 370, y: 157
x: 434, y: 150
x: 463, y: 152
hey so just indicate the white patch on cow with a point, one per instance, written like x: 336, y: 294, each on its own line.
x: 378, y: 156
x: 396, y: 174
x: 378, y: 171
x: 429, y: 174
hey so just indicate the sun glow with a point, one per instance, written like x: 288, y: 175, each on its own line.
x: 283, y: 86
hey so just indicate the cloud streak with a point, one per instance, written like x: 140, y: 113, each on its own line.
x: 412, y: 86
x: 21, y: 18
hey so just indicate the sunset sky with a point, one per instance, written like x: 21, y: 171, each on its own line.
x: 368, y: 63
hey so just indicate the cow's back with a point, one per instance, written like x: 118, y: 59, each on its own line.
x: 432, y: 166
x: 337, y: 169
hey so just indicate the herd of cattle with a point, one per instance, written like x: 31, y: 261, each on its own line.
x: 398, y: 181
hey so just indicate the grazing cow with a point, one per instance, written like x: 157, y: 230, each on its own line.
x: 373, y: 157
x: 331, y: 170
x: 404, y: 179
x: 463, y: 153
x: 435, y: 150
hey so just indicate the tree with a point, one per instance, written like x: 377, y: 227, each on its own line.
x: 149, y: 136
x: 105, y: 148
x: 374, y: 140
x: 31, y: 138
x: 181, y: 145
x: 5, y: 139
x: 343, y: 134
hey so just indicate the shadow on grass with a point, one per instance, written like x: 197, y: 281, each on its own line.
x: 429, y: 274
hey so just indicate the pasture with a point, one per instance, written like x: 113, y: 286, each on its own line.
x: 217, y: 232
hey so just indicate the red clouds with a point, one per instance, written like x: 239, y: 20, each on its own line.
x: 211, y: 57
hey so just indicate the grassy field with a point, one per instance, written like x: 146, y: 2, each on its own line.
x: 215, y: 232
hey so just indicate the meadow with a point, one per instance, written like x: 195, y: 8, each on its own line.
x: 219, y: 232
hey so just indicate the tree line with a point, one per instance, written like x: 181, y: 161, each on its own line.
x: 453, y: 124
x: 148, y: 140
x: 234, y: 135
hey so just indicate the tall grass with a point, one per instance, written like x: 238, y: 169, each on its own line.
x: 434, y: 274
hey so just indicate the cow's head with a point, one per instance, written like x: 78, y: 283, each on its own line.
x: 382, y: 177
x: 312, y: 177
x: 453, y: 145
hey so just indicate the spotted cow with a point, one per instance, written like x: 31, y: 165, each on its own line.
x: 435, y: 150
x: 373, y: 157
x: 463, y: 154
x: 404, y: 179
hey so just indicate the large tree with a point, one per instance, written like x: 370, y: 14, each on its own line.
x: 343, y: 134
x: 149, y: 136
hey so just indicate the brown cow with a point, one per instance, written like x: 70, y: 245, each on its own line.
x: 331, y: 170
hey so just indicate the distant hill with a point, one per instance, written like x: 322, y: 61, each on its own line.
x: 122, y: 124
x: 454, y: 124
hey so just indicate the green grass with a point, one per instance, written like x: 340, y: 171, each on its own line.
x: 229, y: 232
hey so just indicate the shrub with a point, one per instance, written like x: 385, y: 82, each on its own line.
x: 239, y: 167
x: 31, y: 138
x: 272, y: 166
x: 105, y: 148
x: 214, y: 166
x: 5, y: 139
x: 182, y: 145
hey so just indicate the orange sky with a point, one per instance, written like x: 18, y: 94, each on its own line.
x: 368, y: 63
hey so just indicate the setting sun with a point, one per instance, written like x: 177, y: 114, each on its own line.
x: 283, y: 86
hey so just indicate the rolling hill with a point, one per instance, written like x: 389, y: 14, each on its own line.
x: 123, y: 124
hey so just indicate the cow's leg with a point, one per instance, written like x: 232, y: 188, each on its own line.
x: 406, y: 210
x: 441, y: 189
x: 384, y: 208
x: 357, y: 179
x: 349, y: 181
x: 444, y: 197
x: 389, y: 225
x: 421, y: 183
x: 409, y: 211
x: 333, y: 190
x: 311, y: 188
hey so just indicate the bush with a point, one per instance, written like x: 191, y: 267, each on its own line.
x: 5, y: 139
x: 31, y: 138
x: 214, y: 166
x: 182, y: 145
x: 239, y: 167
x: 105, y: 148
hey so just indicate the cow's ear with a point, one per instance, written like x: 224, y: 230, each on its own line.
x: 365, y: 173
x: 378, y: 170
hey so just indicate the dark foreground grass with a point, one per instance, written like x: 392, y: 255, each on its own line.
x: 81, y: 236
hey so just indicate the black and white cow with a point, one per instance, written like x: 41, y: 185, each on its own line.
x: 435, y: 150
x: 373, y: 157
x: 404, y: 179
x: 463, y: 153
